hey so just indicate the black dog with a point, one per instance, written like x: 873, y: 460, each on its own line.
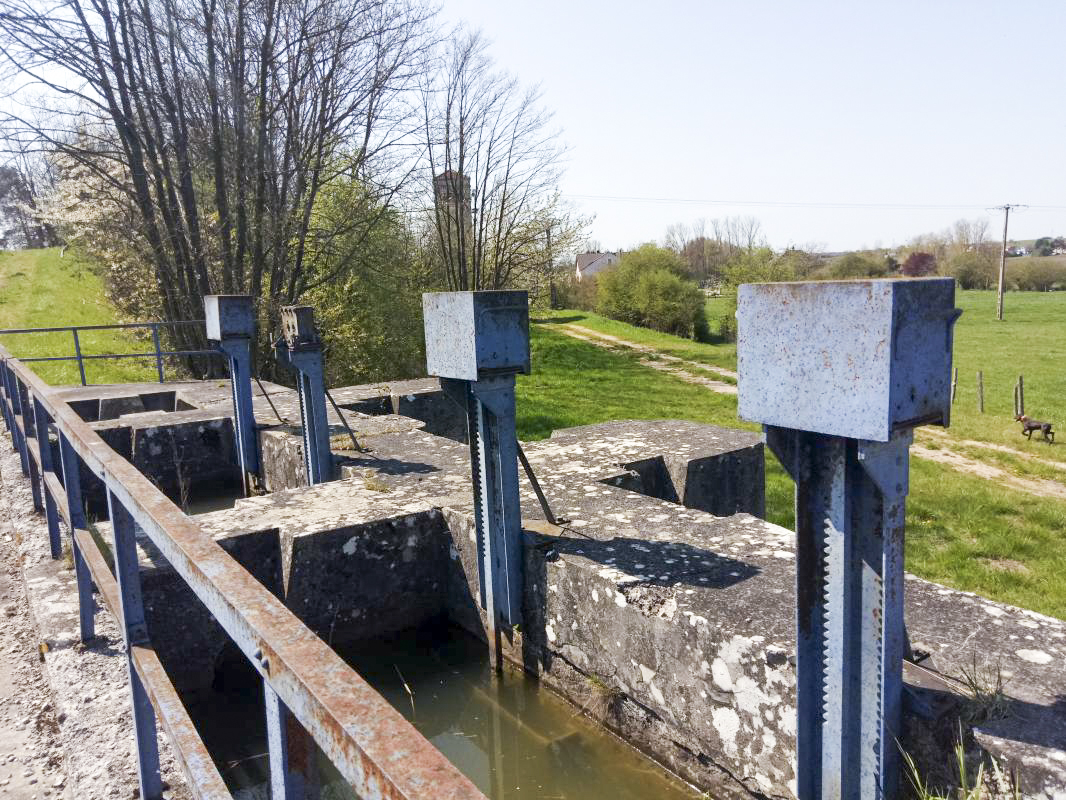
x: 1030, y: 425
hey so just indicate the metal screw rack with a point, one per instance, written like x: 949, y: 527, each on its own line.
x: 840, y: 373
x: 476, y: 342
x: 300, y: 349
x: 230, y: 321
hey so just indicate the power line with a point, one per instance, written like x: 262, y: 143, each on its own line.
x: 800, y: 204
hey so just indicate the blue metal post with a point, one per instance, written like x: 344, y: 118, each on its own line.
x: 231, y: 325
x: 840, y: 373
x: 158, y: 353
x: 476, y: 342
x: 292, y: 752
x: 300, y: 349
x: 16, y: 412
x: 135, y: 631
x: 30, y: 432
x: 5, y: 406
x: 41, y: 425
x: 76, y: 509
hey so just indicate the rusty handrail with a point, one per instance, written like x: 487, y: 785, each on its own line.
x: 373, y: 747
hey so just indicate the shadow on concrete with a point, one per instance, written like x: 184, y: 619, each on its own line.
x: 390, y: 466
x: 655, y: 563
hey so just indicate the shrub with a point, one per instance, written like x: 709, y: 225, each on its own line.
x: 648, y: 288
x: 856, y: 265
x: 919, y: 264
x: 1037, y: 274
x: 972, y: 270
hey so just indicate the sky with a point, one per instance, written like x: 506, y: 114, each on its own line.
x: 836, y: 124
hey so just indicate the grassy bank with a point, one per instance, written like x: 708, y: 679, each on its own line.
x: 964, y: 531
x: 38, y: 289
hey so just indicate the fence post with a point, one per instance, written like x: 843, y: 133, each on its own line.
x: 135, y: 632
x: 16, y: 412
x: 5, y: 397
x: 29, y: 432
x: 980, y: 392
x: 1021, y: 396
x: 71, y: 464
x: 954, y: 384
x: 77, y: 352
x: 293, y: 771
x: 158, y: 352
x: 44, y: 446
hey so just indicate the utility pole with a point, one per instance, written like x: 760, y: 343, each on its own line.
x: 1003, y: 258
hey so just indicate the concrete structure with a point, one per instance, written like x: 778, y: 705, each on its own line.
x: 665, y: 592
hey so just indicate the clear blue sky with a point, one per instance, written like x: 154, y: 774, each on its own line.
x: 954, y: 103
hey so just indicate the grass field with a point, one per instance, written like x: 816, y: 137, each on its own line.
x: 38, y: 289
x: 962, y: 530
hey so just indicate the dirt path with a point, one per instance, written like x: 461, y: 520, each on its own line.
x: 31, y: 756
x: 940, y: 435
x: 672, y: 365
x: 1040, y: 487
x: 942, y: 454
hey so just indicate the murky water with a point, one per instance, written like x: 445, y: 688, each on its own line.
x: 510, y: 736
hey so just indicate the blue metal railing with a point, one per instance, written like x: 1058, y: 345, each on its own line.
x: 373, y: 747
x: 157, y: 353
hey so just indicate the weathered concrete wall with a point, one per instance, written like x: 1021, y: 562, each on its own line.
x: 664, y: 606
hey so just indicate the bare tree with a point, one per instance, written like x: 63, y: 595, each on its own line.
x: 220, y: 122
x: 494, y: 161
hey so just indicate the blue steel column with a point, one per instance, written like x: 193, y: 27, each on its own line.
x: 849, y: 614
x: 6, y: 399
x: 239, y: 351
x: 230, y: 323
x: 135, y: 631
x: 75, y: 507
x: 476, y: 342
x: 497, y: 499
x: 300, y: 349
x: 840, y: 373
x: 16, y: 414
x: 41, y: 422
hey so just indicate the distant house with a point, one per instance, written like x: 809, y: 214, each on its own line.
x: 590, y: 263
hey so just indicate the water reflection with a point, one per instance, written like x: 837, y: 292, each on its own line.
x: 509, y: 735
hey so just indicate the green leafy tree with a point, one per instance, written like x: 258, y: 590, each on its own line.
x: 648, y: 287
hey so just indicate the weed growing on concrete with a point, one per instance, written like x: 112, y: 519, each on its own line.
x: 603, y: 699
x: 374, y: 483
x: 991, y: 784
x: 68, y: 556
x: 986, y: 699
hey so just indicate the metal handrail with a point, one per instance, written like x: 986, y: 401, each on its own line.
x: 373, y: 747
x: 157, y: 353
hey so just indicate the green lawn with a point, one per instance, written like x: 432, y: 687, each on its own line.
x: 963, y: 531
x: 718, y: 354
x: 1030, y: 341
x: 38, y: 289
